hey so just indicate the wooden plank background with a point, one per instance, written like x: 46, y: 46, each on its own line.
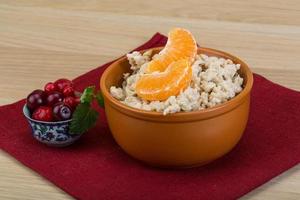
x: 41, y: 41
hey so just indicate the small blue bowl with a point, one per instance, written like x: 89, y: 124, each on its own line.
x: 51, y: 133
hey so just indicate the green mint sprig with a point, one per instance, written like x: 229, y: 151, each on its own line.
x: 100, y: 99
x: 84, y: 116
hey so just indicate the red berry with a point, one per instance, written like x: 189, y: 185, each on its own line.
x: 49, y: 87
x: 71, y: 101
x: 77, y: 99
x: 60, y: 84
x: 54, y: 97
x: 62, y: 112
x: 68, y: 91
x: 43, y: 113
x: 35, y: 99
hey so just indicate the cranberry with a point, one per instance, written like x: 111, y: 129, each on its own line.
x: 71, y: 102
x: 77, y: 99
x: 54, y: 97
x: 62, y: 112
x: 49, y: 87
x: 35, y: 99
x: 68, y: 91
x: 43, y: 113
x: 62, y: 83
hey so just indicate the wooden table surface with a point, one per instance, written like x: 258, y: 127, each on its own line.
x: 45, y: 40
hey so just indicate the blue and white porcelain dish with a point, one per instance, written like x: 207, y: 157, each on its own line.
x: 51, y: 133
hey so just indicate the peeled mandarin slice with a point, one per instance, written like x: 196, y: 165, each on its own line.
x: 180, y: 45
x: 162, y: 85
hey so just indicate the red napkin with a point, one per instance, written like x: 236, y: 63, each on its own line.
x: 96, y: 168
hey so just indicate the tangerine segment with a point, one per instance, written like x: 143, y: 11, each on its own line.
x: 160, y: 86
x: 180, y: 45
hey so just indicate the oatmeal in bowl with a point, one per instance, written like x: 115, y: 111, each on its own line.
x: 181, y: 106
x: 214, y: 81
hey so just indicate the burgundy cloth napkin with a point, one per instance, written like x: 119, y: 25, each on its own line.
x: 96, y: 168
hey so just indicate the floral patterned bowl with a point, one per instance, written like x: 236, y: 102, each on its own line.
x: 51, y: 133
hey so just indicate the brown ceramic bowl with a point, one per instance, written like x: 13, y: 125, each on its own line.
x: 184, y: 139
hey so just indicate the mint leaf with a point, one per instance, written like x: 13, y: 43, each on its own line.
x: 84, y: 117
x: 100, y: 99
x: 87, y: 95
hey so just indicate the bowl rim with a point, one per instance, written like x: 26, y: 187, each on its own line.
x: 26, y: 110
x: 180, y: 116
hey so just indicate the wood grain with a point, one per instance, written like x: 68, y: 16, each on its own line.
x: 44, y: 40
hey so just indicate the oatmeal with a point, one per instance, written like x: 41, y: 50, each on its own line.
x: 214, y: 81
